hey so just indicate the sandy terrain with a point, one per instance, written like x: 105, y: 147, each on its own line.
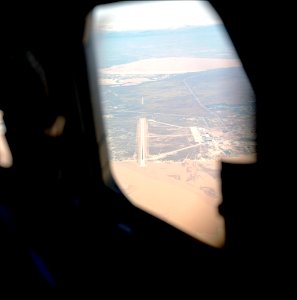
x: 186, y: 195
x: 170, y: 65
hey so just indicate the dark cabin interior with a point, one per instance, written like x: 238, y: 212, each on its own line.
x: 62, y: 229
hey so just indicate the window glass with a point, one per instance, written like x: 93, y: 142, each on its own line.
x: 175, y: 102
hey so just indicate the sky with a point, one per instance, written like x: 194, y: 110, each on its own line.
x: 154, y: 15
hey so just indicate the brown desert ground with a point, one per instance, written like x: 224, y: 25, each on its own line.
x: 183, y: 194
x: 143, y: 70
x: 170, y: 65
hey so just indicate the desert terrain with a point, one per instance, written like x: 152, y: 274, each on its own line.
x: 184, y: 194
x: 146, y: 69
x: 171, y: 65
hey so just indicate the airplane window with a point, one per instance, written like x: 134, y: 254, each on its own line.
x: 175, y: 101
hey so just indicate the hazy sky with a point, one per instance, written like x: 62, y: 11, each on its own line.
x: 148, y: 15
